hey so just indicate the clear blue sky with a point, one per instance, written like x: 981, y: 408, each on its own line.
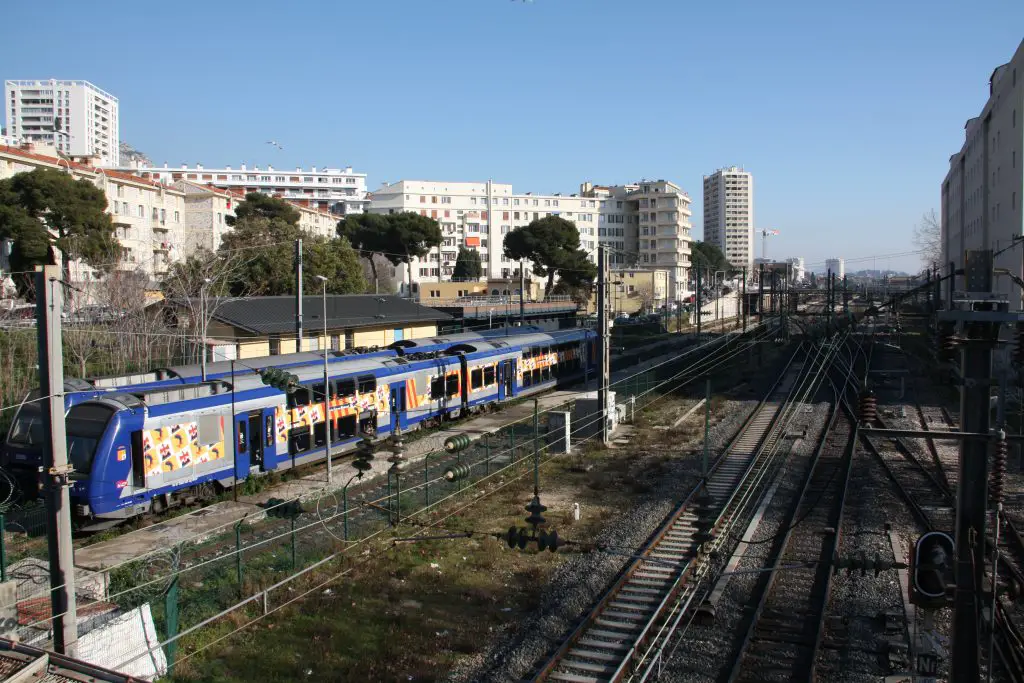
x: 846, y: 113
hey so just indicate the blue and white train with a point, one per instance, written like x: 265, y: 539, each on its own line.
x: 22, y: 455
x: 148, y: 449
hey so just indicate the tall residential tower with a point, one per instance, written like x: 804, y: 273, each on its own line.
x: 729, y: 214
x: 76, y: 117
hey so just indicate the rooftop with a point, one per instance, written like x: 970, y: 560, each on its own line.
x: 276, y: 314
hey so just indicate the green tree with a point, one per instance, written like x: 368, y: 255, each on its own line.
x: 411, y: 236
x: 268, y: 266
x: 398, y: 237
x: 709, y: 256
x: 45, y: 211
x: 368, y: 233
x: 258, y: 205
x: 551, y: 244
x: 467, y: 265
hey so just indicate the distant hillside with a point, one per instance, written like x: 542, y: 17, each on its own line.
x: 130, y: 155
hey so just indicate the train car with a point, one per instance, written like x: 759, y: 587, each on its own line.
x: 149, y: 450
x: 21, y: 454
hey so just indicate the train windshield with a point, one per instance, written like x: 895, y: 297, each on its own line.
x: 27, y: 429
x: 85, y: 426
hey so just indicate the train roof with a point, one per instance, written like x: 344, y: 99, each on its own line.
x: 354, y: 367
x: 224, y: 367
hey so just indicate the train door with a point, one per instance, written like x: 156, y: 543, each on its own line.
x: 268, y: 432
x: 508, y: 378
x: 256, y: 439
x: 242, y: 446
x: 397, y: 405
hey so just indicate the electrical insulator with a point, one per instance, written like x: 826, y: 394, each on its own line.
x: 996, y: 480
x: 454, y: 444
x: 947, y: 341
x: 364, y: 454
x: 549, y: 541
x: 868, y: 407
x: 535, y: 508
x: 456, y: 473
x: 397, y: 459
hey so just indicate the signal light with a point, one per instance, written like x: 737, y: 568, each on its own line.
x: 932, y: 569
x: 279, y: 379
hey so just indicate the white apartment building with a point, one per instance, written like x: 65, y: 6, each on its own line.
x: 646, y: 223
x: 155, y: 223
x: 984, y: 188
x: 339, y: 190
x: 836, y: 266
x: 478, y: 216
x: 76, y: 117
x: 729, y: 214
x: 796, y: 268
x: 148, y: 217
x: 207, y: 209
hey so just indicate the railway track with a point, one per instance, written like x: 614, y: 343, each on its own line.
x: 625, y: 633
x: 783, y: 634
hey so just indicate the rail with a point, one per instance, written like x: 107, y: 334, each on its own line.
x: 611, y: 638
x: 794, y: 633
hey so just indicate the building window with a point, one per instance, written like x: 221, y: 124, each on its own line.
x: 350, y: 339
x: 142, y: 211
x: 177, y: 217
x: 275, y: 344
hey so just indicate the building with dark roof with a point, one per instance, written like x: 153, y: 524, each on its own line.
x: 266, y: 325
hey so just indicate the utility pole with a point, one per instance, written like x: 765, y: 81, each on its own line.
x: 760, y: 294
x: 980, y: 335
x: 697, y: 304
x: 298, y: 295
x: 743, y: 301
x: 602, y: 341
x: 58, y: 499
x: 522, y: 291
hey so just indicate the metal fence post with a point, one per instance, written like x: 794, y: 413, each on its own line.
x: 487, y: 459
x: 238, y: 555
x: 3, y: 548
x: 293, y: 542
x: 171, y: 610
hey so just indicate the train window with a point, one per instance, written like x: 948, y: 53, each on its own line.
x: 527, y: 378
x: 436, y: 388
x: 347, y: 427
x: 367, y: 384
x: 242, y: 441
x: 269, y: 428
x: 318, y: 392
x: 298, y: 440
x: 452, y: 384
x: 347, y: 387
x: 318, y: 433
x: 138, y: 461
x: 299, y: 398
x: 28, y: 428
x: 545, y: 373
x: 489, y: 375
x: 209, y: 430
x: 536, y: 376
x: 476, y: 378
